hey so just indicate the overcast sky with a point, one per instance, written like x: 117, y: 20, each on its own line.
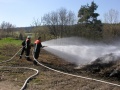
x: 22, y: 12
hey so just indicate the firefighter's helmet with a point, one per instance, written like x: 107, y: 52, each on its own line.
x: 28, y: 37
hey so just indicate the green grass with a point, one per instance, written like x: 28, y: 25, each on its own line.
x: 10, y: 41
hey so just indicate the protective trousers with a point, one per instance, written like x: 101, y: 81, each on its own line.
x: 36, y: 55
x: 27, y: 53
x: 23, y: 50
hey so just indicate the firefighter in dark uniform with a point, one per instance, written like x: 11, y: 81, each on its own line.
x: 23, y: 49
x: 37, y: 47
x: 28, y: 47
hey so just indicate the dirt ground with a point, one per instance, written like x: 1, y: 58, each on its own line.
x: 13, y: 79
x: 6, y: 85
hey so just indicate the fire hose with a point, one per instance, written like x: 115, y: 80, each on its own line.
x: 76, y: 75
x: 25, y: 83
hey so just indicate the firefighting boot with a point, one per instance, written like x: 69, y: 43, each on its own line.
x: 34, y: 62
x: 20, y: 57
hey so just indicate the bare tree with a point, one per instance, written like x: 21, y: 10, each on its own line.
x: 71, y: 18
x: 110, y: 30
x: 36, y: 22
x: 58, y: 21
x: 62, y: 16
x: 7, y: 28
x: 35, y: 26
x: 6, y: 25
x: 111, y: 17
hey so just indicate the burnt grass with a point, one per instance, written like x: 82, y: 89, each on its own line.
x: 98, y: 71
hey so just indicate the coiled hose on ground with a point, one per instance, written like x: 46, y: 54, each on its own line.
x: 30, y: 77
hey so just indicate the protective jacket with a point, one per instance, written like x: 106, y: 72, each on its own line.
x: 27, y: 43
x: 23, y: 48
x: 37, y: 47
x: 27, y: 48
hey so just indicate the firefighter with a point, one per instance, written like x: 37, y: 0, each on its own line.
x: 28, y: 47
x: 37, y: 47
x: 23, y: 48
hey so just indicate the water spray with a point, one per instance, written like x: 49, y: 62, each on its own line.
x: 79, y: 50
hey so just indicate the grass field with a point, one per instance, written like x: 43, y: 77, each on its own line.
x: 9, y: 41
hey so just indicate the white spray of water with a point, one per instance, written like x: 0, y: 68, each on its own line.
x: 80, y: 51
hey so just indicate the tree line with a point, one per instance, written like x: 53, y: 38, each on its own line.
x: 64, y: 23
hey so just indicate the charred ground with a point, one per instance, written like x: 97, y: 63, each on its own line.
x: 50, y: 80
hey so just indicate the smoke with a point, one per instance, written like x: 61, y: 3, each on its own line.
x: 81, y: 51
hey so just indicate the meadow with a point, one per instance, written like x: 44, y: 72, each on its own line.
x: 9, y: 41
